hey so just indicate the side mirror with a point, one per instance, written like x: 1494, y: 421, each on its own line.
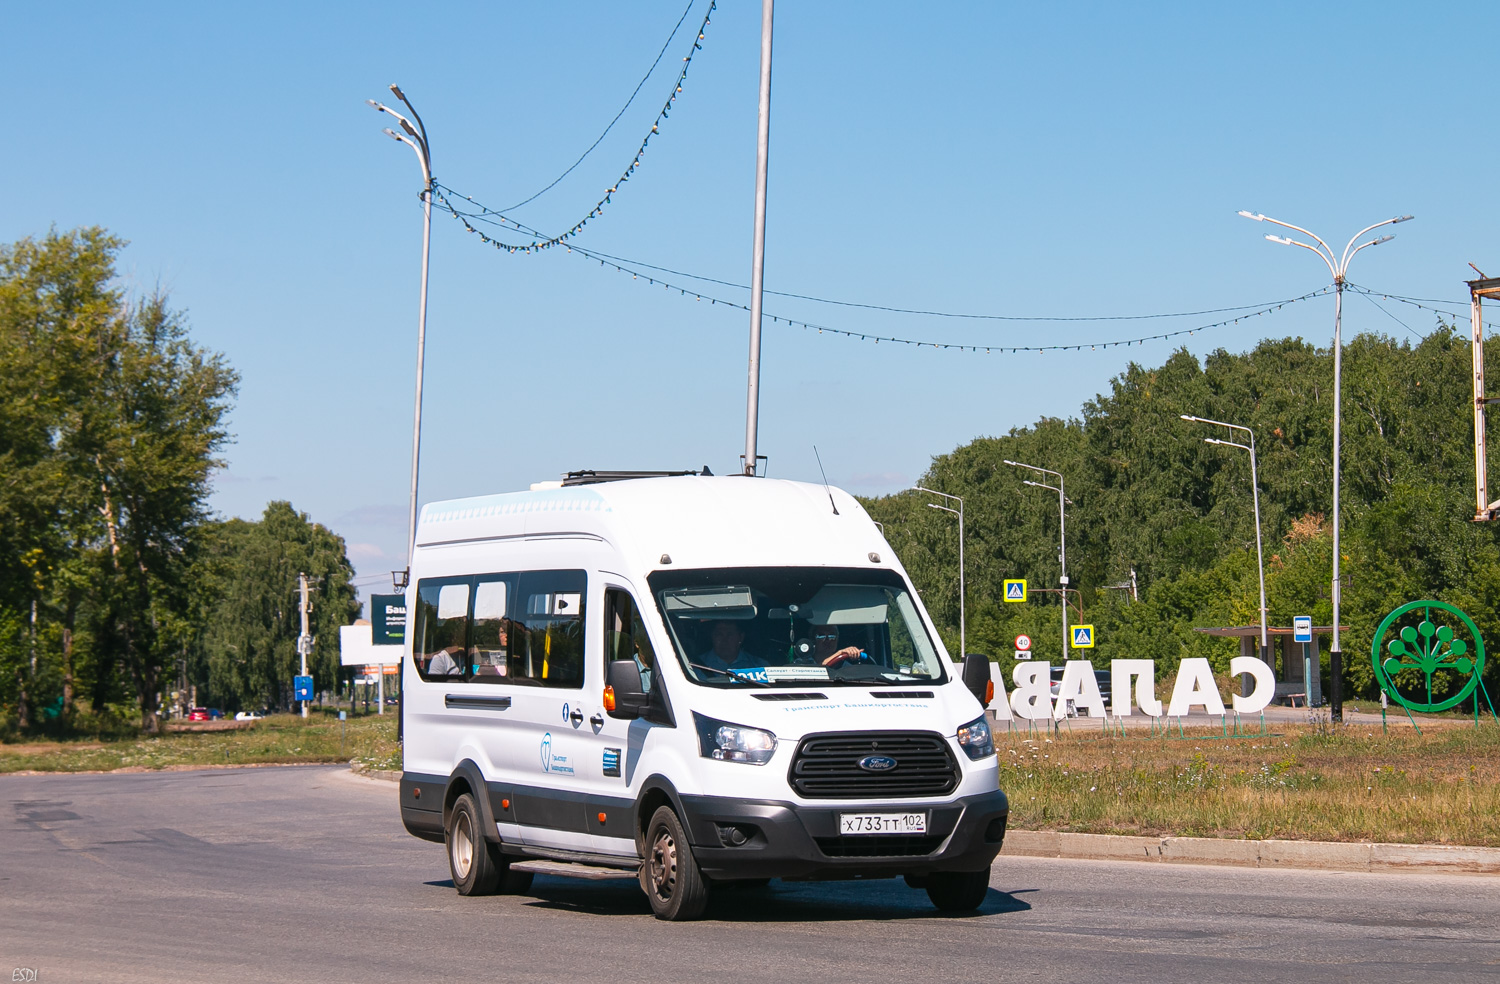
x: 624, y: 698
x: 977, y: 678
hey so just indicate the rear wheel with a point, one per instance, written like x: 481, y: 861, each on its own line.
x: 958, y: 891
x: 673, y: 883
x: 469, y: 858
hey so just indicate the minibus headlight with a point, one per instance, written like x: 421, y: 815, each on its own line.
x: 734, y: 742
x: 975, y: 738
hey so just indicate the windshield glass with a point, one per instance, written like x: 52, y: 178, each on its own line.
x: 795, y: 626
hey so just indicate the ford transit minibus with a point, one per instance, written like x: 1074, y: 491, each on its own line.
x: 701, y: 679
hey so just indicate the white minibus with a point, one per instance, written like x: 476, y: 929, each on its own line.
x: 702, y: 679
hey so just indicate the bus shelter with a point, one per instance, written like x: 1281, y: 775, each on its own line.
x: 1298, y: 680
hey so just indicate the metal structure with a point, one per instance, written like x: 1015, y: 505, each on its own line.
x: 1062, y: 536
x: 415, y: 138
x: 1428, y: 649
x: 758, y: 253
x: 1484, y: 509
x: 959, y: 512
x: 1260, y: 562
x: 1338, y: 265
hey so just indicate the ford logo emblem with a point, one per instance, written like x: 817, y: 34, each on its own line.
x: 877, y: 763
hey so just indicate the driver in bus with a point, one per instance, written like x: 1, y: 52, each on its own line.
x: 826, y: 646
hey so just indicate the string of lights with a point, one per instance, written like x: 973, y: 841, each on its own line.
x: 1418, y: 302
x: 443, y: 203
x: 499, y: 220
x: 539, y: 244
x: 637, y: 91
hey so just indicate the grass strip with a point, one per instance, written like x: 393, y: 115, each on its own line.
x: 281, y: 739
x: 1308, y: 782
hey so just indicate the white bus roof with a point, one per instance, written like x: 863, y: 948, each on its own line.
x: 697, y: 521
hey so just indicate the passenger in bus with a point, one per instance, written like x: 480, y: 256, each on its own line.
x: 726, y: 650
x: 442, y: 664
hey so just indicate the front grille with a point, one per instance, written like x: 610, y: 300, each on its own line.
x: 826, y: 766
x: 901, y: 694
x: 878, y: 846
x: 785, y: 695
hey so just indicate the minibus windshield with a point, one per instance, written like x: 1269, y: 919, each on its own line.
x: 795, y: 627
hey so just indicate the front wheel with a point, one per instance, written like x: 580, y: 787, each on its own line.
x: 958, y: 891
x: 670, y: 876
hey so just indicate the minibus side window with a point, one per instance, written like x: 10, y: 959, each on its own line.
x: 625, y: 635
x: 491, y: 629
x: 439, y: 648
x: 548, y: 618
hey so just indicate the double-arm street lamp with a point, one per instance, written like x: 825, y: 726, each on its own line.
x: 1338, y: 265
x: 959, y: 512
x: 415, y: 137
x: 1255, y: 496
x: 1062, y: 536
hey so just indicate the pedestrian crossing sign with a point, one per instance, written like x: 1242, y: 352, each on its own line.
x: 1083, y: 637
x: 1015, y: 589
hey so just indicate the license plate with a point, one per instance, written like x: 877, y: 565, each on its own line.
x: 882, y: 823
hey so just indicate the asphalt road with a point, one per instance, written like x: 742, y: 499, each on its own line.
x: 305, y: 874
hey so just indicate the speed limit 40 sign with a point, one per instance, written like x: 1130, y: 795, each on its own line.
x: 1023, y: 642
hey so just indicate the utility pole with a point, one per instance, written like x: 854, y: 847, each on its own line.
x: 304, y: 641
x: 758, y: 252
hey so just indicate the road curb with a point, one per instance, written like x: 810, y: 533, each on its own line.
x: 1316, y: 855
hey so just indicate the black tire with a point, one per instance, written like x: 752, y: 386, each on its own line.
x: 512, y: 882
x: 958, y: 891
x: 916, y: 881
x: 470, y: 859
x: 670, y: 877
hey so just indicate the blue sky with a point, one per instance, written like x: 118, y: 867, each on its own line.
x: 1039, y: 160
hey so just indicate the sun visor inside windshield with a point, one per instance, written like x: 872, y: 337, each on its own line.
x: 730, y: 601
x: 845, y: 604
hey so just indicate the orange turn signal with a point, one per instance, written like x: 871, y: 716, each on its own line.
x: 505, y: 804
x: 601, y: 818
x: 989, y: 693
x: 609, y: 702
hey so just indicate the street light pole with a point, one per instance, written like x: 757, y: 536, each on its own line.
x: 1260, y: 563
x: 1338, y: 265
x: 1062, y: 537
x: 415, y: 137
x: 963, y: 650
x: 758, y: 250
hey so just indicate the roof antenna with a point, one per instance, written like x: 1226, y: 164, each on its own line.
x: 1478, y: 271
x: 825, y: 480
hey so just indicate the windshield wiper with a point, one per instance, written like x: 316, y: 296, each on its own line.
x: 731, y: 674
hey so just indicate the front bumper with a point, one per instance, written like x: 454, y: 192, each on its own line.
x: 788, y: 840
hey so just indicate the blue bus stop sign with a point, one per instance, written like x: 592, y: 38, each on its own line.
x: 302, y: 687
x: 1302, y: 628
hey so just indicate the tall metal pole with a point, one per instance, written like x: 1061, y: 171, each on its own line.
x: 1260, y: 564
x: 758, y: 259
x: 416, y: 139
x: 1336, y: 654
x: 304, y: 640
x: 1338, y: 265
x: 1062, y: 559
x: 1062, y: 536
x: 962, y: 591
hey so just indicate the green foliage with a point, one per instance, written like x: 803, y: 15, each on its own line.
x: 250, y: 644
x: 110, y: 418
x: 1150, y: 496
